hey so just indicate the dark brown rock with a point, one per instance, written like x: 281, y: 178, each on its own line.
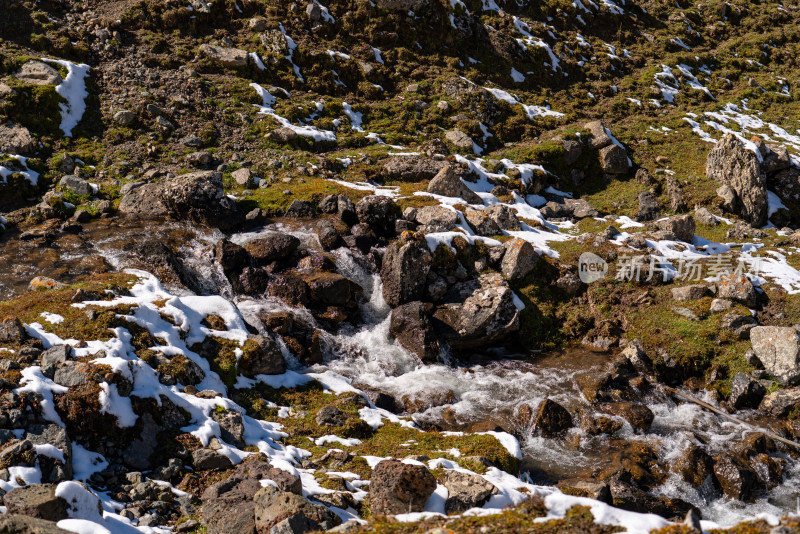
x: 398, y: 488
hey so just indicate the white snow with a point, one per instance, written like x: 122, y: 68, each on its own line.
x: 73, y: 90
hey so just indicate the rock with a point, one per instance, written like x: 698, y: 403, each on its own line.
x: 680, y: 226
x: 313, y: 12
x: 332, y: 289
x: 436, y: 218
x: 300, y: 209
x: 404, y: 272
x: 786, y: 184
x: 738, y: 324
x: 72, y: 183
x: 231, y: 426
x: 448, y: 183
x: 552, y: 418
x: 692, y: 520
x: 199, y: 197
x: 410, y: 325
x: 694, y: 466
x: 36, y: 500
x: 599, y: 136
x: 476, y: 313
x: 412, y: 168
x: 720, y: 305
x: 72, y: 375
x: 704, y: 216
x: 746, y: 392
x: 52, y: 434
x: 273, y: 247
x: 21, y: 524
x: 474, y: 99
x: 143, y: 201
x: 728, y: 199
x: 283, y: 512
x: 778, y: 349
x: 692, y: 292
x: 290, y: 288
x: 730, y: 163
x: 257, y: 24
x: 481, y: 223
x: 81, y: 216
x: 398, y: 488
x: 283, y: 135
x: 614, y: 160
x: 768, y: 470
x: 159, y: 259
x: 738, y: 288
x: 53, y: 357
x: 675, y: 193
x: 231, y: 257
x: 504, y: 216
x: 206, y: 459
x: 200, y: 158
x: 12, y: 330
x: 38, y: 73
x: 401, y: 5
x: 331, y: 416
x: 736, y: 478
x: 638, y: 415
x: 459, y: 139
x: 649, y: 208
x: 227, y: 57
x: 780, y: 403
x: 519, y: 260
x: 465, y: 491
x: 261, y: 356
x: 777, y: 159
x: 378, y: 212
x: 327, y: 234
x: 16, y: 140
x: 124, y: 117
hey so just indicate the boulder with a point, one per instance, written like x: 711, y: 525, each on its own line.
x: 157, y: 258
x: 476, y: 313
x: 404, y: 272
x: 694, y: 466
x: 481, y: 223
x: 459, y: 139
x: 614, y: 160
x: 143, y: 201
x: 465, y: 491
x: 227, y: 57
x: 11, y: 523
x: 378, y: 213
x: 38, y: 73
x: 16, y: 140
x: 738, y: 324
x: 599, y: 137
x: 746, y: 392
x: 36, y: 500
x: 410, y: 325
x: 206, y: 459
x: 277, y: 246
x: 261, y: 356
x: 53, y: 357
x: 737, y: 287
x: 735, y: 477
x: 692, y: 292
x: 519, y: 259
x: 330, y: 416
x: 436, y: 218
x: 780, y: 403
x: 231, y: 257
x: 244, y: 177
x: 786, y: 184
x: 327, y: 234
x: 199, y: 197
x: 704, y: 216
x: 552, y: 418
x: 504, y: 216
x: 284, y: 512
x: 730, y: 163
x: 332, y: 289
x: 682, y: 227
x: 12, y: 330
x: 638, y: 415
x: 777, y: 159
x: 300, y: 209
x: 448, y: 183
x: 649, y: 209
x: 412, y: 168
x: 399, y: 488
x: 76, y: 185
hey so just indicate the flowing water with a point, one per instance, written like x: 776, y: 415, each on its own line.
x: 488, y: 390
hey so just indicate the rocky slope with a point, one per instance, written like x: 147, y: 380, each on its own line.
x: 399, y: 266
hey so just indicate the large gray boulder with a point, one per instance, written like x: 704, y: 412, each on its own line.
x: 519, y: 260
x: 284, y: 512
x: 199, y: 197
x: 36, y: 500
x: 261, y: 356
x: 11, y: 523
x: 398, y: 488
x: 143, y: 201
x: 75, y: 184
x: 16, y: 140
x: 412, y: 168
x: 778, y: 349
x: 227, y: 57
x: 465, y: 491
x: 478, y: 312
x: 411, y: 326
x: 378, y: 213
x: 38, y: 73
x: 680, y: 227
x: 436, y: 218
x: 730, y: 163
x: 405, y: 272
x: 737, y: 287
x: 448, y: 183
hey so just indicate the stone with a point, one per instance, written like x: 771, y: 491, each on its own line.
x: 552, y: 418
x: 649, y: 209
x: 332, y: 289
x: 410, y: 324
x: 737, y: 480
x: 692, y: 292
x: 777, y: 159
x: 465, y: 491
x: 38, y: 73
x: 227, y: 57
x: 746, y: 392
x: 481, y: 223
x: 261, y: 356
x: 143, y: 202
x: 314, y: 12
x: 72, y: 375
x: 162, y: 261
x: 16, y: 140
x: 599, y: 137
x: 378, y: 212
x: 720, y: 305
x: 399, y: 488
x: 327, y: 234
x: 282, y: 512
x: 694, y: 466
x: 614, y: 159
x: 272, y: 247
x: 257, y: 24
x: 638, y: 415
x: 519, y: 260
x: 739, y: 288
x: 476, y: 313
x: 412, y: 168
x: 704, y: 216
x: 244, y: 177
x: 72, y: 183
x: 199, y: 197
x: 331, y: 416
x: 11, y: 523
x: 504, y: 216
x: 283, y: 135
x: 730, y: 163
x: 786, y: 184
x: 53, y: 357
x: 682, y: 227
x: 738, y: 324
x: 206, y: 459
x: 200, y: 158
x: 778, y: 349
x: 459, y: 139
x: 12, y: 330
x: 436, y: 218
x: 448, y: 183
x: 124, y: 117
x: 36, y: 500
x: 780, y: 403
x: 404, y: 272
